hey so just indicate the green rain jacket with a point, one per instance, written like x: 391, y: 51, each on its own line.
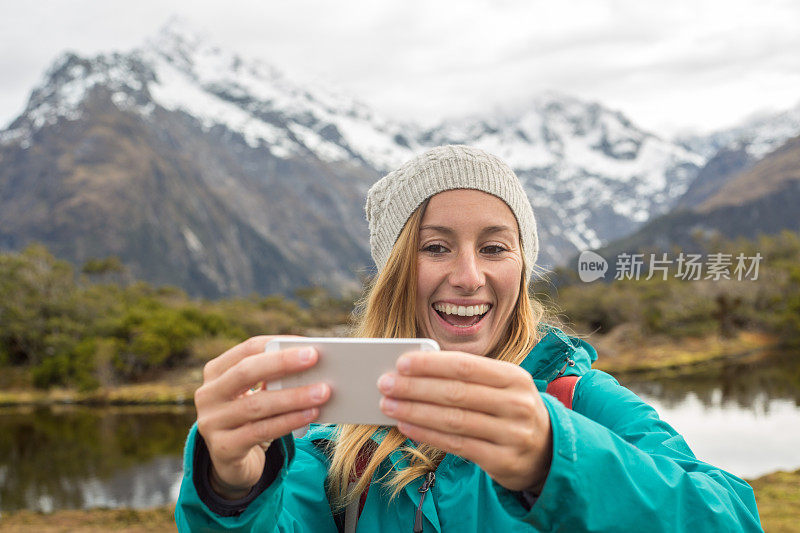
x: 616, y: 467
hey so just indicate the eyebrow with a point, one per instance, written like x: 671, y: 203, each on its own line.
x: 450, y: 231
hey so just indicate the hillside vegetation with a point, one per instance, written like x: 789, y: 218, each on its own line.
x: 677, y: 308
x: 95, y: 328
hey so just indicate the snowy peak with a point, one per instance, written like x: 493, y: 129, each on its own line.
x: 759, y: 135
x: 69, y: 81
x: 607, y: 131
x: 179, y: 69
x: 256, y: 99
x: 554, y: 129
x: 179, y: 43
x: 591, y: 174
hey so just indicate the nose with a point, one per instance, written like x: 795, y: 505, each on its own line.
x: 467, y: 274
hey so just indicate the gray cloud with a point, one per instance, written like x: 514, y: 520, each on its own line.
x: 688, y: 63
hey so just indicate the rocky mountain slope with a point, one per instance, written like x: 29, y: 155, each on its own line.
x: 762, y: 199
x: 221, y: 175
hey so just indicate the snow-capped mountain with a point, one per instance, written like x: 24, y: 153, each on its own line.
x: 222, y: 175
x: 181, y: 70
x: 590, y: 173
x: 758, y: 136
x: 761, y: 197
x: 196, y: 167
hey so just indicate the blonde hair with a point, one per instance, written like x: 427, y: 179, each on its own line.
x: 388, y: 310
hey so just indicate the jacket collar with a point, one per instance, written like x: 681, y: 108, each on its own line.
x: 556, y: 354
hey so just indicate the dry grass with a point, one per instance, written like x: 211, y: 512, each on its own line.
x: 778, y: 498
x: 173, y: 387
x: 624, y: 351
x: 91, y: 521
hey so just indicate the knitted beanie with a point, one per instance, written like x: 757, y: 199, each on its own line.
x: 393, y: 198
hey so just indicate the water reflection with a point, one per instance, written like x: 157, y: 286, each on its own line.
x: 748, y: 442
x: 149, y: 484
x: 743, y: 417
x: 744, y: 383
x: 78, y: 457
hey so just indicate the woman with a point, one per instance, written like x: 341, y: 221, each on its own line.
x: 478, y: 444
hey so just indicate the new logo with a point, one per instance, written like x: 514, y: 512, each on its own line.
x: 591, y: 266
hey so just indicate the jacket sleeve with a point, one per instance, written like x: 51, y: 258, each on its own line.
x: 295, y: 500
x: 617, y: 466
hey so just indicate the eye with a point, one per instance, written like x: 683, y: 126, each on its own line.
x: 494, y: 249
x: 435, y: 249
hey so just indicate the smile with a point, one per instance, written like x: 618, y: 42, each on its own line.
x: 460, y: 316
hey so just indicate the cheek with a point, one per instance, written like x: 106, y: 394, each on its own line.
x: 424, y: 287
x: 507, y: 283
x: 426, y: 280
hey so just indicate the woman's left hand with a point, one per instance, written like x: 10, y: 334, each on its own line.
x: 481, y: 409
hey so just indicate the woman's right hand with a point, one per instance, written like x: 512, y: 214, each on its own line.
x: 237, y: 426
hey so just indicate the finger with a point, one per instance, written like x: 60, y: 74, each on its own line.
x: 255, y: 369
x: 478, y: 451
x: 217, y: 366
x: 264, y: 404
x: 265, y: 367
x: 516, y: 466
x: 451, y: 420
x: 252, y: 346
x: 269, y: 429
x: 461, y: 366
x: 455, y: 393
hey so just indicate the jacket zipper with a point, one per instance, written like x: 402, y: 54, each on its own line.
x: 430, y: 477
x: 567, y: 362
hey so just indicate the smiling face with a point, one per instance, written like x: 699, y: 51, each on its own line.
x: 469, y: 268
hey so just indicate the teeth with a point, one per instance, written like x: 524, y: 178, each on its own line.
x: 470, y: 310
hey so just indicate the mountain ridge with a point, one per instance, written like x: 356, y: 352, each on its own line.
x: 281, y: 169
x: 760, y: 199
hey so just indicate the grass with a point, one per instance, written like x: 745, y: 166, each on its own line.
x: 91, y: 521
x: 173, y: 387
x: 778, y: 498
x: 624, y: 352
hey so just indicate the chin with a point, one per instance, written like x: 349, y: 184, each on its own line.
x: 473, y: 347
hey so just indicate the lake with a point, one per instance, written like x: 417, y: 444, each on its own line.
x: 744, y: 420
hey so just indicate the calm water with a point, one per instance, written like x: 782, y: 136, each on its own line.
x: 743, y: 419
x: 80, y: 457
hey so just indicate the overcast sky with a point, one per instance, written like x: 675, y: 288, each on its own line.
x: 670, y: 66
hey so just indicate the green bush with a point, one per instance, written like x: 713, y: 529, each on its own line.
x: 74, y: 333
x: 680, y: 308
x: 68, y: 367
x: 789, y: 317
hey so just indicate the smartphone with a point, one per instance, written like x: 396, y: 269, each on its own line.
x: 351, y: 367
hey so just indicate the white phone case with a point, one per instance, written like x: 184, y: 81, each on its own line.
x: 351, y: 367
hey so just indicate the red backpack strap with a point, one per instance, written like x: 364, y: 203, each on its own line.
x: 362, y: 460
x: 563, y: 389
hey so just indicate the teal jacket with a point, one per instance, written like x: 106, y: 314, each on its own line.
x: 616, y: 467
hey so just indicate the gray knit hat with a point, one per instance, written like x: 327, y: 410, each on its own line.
x: 393, y: 198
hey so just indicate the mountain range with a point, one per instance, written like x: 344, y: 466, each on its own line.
x: 221, y: 175
x: 763, y: 197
